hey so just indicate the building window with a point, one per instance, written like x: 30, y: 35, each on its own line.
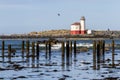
x: 76, y: 27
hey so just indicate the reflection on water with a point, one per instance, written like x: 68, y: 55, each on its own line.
x: 56, y: 66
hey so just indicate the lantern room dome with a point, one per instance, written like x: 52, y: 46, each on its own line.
x: 82, y: 18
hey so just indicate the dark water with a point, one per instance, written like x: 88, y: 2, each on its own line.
x: 45, y: 69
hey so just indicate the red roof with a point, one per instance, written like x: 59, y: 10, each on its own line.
x: 76, y: 23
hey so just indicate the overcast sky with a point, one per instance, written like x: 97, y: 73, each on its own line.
x: 23, y: 16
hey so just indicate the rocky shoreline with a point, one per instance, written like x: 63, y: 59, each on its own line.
x: 64, y: 34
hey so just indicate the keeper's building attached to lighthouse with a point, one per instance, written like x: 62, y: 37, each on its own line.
x: 78, y: 27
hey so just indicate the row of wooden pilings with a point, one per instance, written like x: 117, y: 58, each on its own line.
x: 99, y: 53
x: 66, y: 50
x: 69, y: 54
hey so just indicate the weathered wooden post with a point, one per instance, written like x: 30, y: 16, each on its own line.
x: 71, y: 51
x: 33, y: 52
x: 67, y: 53
x: 3, y: 47
x: 37, y: 51
x: 94, y: 55
x: 98, y: 54
x: 49, y: 50
x: 74, y: 50
x: 46, y: 51
x: 103, y: 50
x: 113, y: 51
x: 70, y: 46
x: 9, y: 52
x: 23, y: 49
x: 100, y: 50
x: 63, y: 52
x: 27, y: 49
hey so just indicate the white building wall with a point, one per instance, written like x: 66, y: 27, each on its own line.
x: 89, y: 31
x: 75, y: 27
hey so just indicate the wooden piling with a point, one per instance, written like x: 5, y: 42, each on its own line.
x: 37, y: 51
x: 63, y: 52
x: 113, y: 51
x: 23, y: 49
x: 3, y: 47
x: 94, y: 55
x: 67, y: 53
x: 100, y: 43
x: 33, y: 52
x: 9, y: 53
x: 27, y: 48
x: 71, y: 52
x: 71, y: 49
x: 46, y: 51
x: 49, y: 50
x: 74, y: 50
x: 103, y: 50
x: 98, y: 52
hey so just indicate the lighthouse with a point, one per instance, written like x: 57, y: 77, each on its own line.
x: 82, y: 21
x: 78, y: 27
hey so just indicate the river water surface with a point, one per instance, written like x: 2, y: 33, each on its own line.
x: 53, y: 69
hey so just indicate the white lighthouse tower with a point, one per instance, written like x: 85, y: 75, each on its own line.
x: 82, y: 22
